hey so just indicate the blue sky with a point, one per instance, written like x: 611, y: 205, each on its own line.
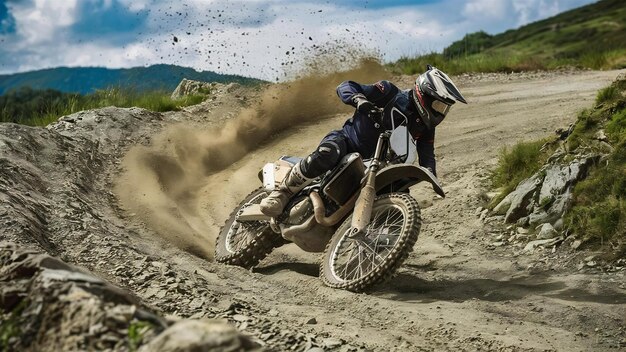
x: 265, y: 39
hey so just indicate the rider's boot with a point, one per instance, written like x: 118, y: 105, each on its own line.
x: 294, y: 182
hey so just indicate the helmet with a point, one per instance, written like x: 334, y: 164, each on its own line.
x: 433, y: 95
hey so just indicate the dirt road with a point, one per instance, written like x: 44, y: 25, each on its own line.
x: 456, y: 292
x: 452, y: 293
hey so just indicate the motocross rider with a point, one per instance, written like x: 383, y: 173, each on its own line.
x: 425, y: 106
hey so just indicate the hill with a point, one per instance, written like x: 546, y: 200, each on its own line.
x: 86, y: 80
x: 592, y: 36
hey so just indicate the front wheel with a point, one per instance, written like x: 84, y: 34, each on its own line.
x: 246, y: 243
x: 357, y: 263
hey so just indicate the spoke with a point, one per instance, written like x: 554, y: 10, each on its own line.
x: 373, y: 252
x: 345, y: 271
x: 381, y: 236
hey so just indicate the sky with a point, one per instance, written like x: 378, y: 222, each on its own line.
x: 261, y: 39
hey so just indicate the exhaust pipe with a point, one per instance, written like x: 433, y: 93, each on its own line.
x: 334, y: 218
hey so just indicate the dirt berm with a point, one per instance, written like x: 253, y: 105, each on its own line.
x: 138, y: 197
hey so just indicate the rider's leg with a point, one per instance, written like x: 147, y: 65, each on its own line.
x: 325, y: 157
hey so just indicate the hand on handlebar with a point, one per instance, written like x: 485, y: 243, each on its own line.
x: 368, y: 108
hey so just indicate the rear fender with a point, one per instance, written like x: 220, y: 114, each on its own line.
x: 408, y: 175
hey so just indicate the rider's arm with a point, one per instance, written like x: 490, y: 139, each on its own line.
x: 378, y: 93
x: 425, y: 144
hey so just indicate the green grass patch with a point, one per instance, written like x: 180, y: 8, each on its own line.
x: 39, y: 108
x: 598, y: 214
x: 10, y: 325
x: 517, y: 163
x: 136, y: 332
x: 592, y: 36
x: 599, y: 211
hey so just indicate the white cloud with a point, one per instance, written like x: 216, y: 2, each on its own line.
x: 253, y: 37
x: 42, y: 20
x: 531, y: 10
x: 481, y: 9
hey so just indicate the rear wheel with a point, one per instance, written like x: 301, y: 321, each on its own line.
x: 357, y: 263
x: 246, y: 243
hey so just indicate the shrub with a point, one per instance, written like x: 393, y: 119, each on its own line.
x: 39, y: 108
x: 598, y: 214
x: 518, y: 163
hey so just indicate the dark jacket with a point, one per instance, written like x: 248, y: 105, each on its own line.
x: 362, y: 132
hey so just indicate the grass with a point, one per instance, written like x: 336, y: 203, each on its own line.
x: 10, y: 325
x: 599, y: 211
x: 518, y: 163
x: 504, y: 62
x: 592, y: 36
x: 136, y: 333
x: 47, y: 111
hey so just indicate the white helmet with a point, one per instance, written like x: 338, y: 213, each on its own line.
x: 433, y: 95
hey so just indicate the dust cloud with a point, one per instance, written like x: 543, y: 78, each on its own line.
x: 160, y: 182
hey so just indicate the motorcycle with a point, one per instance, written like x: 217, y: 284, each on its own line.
x: 360, y: 215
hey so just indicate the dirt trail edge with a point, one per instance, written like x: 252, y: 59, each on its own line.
x: 456, y: 292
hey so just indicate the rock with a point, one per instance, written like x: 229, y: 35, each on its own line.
x: 200, y: 335
x: 522, y: 231
x: 492, y: 195
x: 547, y: 232
x: 530, y: 246
x: 241, y: 318
x: 522, y: 222
x: 521, y: 197
x: 538, y: 217
x: 601, y: 136
x: 190, y: 87
x: 503, y: 206
x: 332, y: 342
x: 230, y: 87
x: 558, y: 224
x: 312, y: 321
x: 79, y: 311
x: 576, y: 244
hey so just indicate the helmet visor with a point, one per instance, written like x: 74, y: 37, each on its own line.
x: 440, y: 107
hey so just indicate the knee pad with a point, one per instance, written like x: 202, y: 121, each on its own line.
x: 324, y: 158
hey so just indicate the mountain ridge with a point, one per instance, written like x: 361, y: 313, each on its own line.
x: 86, y: 80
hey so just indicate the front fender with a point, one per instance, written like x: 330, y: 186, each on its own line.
x: 409, y: 175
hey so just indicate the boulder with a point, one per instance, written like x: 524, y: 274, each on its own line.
x: 59, y: 307
x: 522, y: 196
x: 547, y: 232
x: 530, y: 246
x: 200, y: 336
x: 559, y: 177
x: 538, y: 216
x: 191, y: 87
x: 504, y: 205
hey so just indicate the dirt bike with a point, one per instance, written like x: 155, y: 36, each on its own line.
x: 360, y: 215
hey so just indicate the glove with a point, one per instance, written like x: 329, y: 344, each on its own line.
x: 363, y: 105
x: 368, y: 108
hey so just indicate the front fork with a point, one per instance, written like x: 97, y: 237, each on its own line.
x: 363, y: 208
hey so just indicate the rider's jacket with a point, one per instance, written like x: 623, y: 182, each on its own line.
x: 362, y: 130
